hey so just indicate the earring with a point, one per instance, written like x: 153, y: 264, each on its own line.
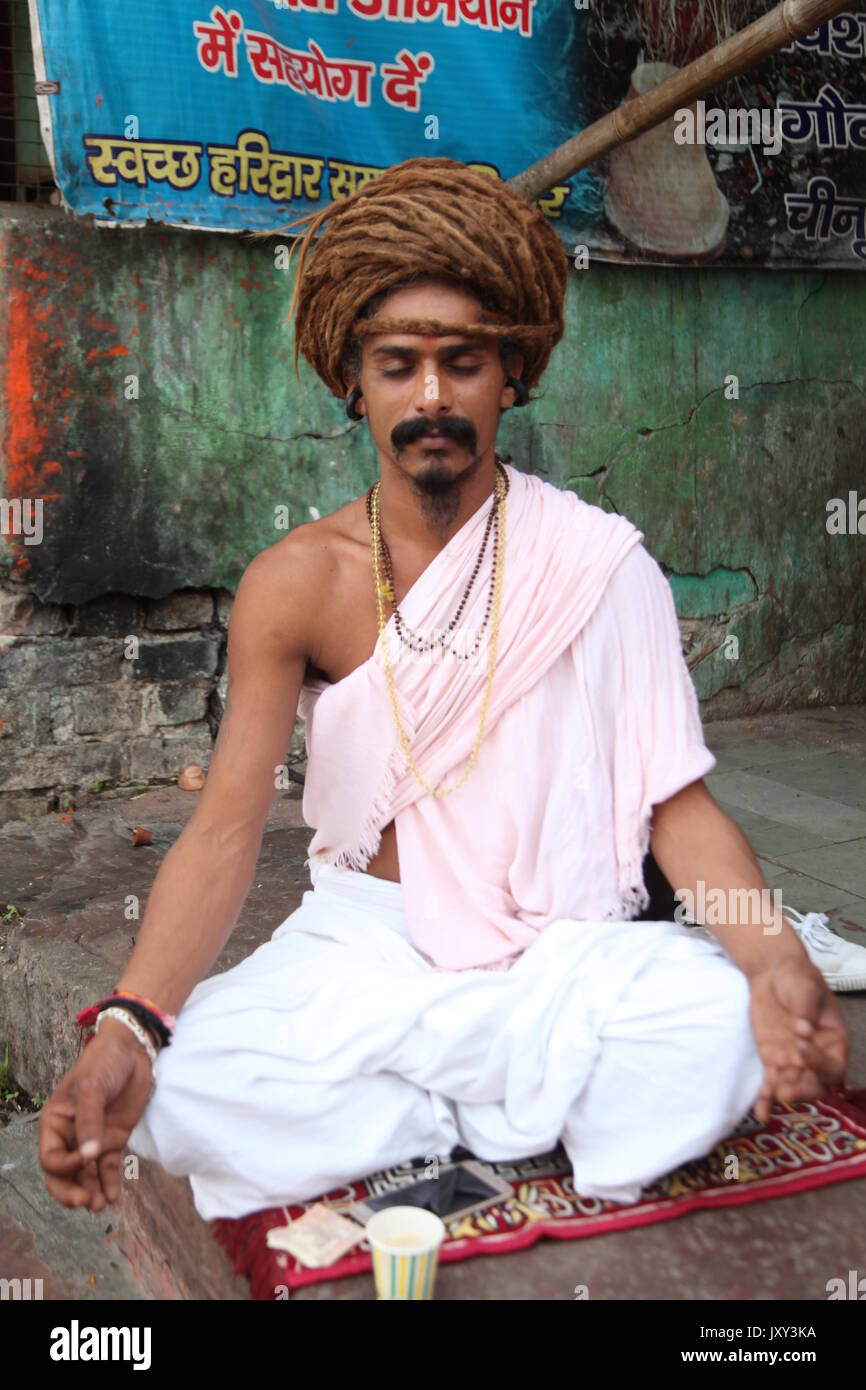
x: 351, y: 401
x: 521, y: 388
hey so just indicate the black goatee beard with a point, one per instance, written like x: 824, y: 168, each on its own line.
x: 439, y: 494
x: 437, y: 491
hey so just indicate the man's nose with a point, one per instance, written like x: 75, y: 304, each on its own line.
x: 432, y: 391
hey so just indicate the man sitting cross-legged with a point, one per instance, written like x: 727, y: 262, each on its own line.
x: 500, y: 723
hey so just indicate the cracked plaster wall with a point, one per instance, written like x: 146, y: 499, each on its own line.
x: 147, y: 394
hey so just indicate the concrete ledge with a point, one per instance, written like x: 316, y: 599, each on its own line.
x: 74, y: 1253
x: 171, y: 1251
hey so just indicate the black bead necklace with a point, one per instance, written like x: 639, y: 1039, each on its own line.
x: 412, y: 639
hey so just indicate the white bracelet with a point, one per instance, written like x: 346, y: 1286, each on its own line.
x: 124, y: 1016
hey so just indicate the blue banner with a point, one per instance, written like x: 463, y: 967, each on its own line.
x: 241, y: 115
x: 244, y: 115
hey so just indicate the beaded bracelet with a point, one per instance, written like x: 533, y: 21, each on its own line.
x: 145, y: 1016
x: 122, y: 1016
x: 143, y: 1010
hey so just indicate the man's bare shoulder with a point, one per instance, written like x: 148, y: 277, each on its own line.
x: 315, y: 548
x: 302, y: 572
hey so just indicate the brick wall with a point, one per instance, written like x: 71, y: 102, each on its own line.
x: 109, y: 694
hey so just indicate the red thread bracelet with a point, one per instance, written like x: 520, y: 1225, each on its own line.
x: 87, y: 1017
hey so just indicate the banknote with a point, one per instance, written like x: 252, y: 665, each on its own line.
x: 317, y: 1238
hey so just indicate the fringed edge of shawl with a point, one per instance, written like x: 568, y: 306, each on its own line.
x: 633, y: 894
x: 366, y: 846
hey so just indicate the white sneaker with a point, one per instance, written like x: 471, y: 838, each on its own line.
x: 842, y: 964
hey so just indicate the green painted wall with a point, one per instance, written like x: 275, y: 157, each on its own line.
x: 177, y: 486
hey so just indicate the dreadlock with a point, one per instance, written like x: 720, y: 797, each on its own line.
x: 432, y: 220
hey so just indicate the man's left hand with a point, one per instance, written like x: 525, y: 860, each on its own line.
x: 800, y: 1032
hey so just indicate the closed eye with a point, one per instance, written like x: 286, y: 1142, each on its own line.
x: 461, y: 371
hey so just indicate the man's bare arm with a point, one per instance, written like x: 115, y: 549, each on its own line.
x: 202, y: 883
x: 797, y: 1023
x: 693, y: 841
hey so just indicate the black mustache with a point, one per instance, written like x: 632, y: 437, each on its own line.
x: 450, y: 427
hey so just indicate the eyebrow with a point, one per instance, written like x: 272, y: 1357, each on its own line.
x: 455, y: 350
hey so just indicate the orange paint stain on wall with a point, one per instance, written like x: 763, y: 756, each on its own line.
x: 119, y: 351
x: 25, y: 432
x: 29, y: 269
x: 30, y: 395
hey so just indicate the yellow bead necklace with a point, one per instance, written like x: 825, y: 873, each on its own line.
x: 499, y: 488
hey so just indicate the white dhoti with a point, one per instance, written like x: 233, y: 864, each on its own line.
x: 336, y: 1049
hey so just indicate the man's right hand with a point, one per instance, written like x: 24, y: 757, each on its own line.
x: 98, y: 1102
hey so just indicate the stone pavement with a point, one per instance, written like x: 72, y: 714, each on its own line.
x: 795, y: 783
x: 796, y: 786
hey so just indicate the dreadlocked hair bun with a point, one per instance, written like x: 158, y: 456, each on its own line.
x: 429, y: 219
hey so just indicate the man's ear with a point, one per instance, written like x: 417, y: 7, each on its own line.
x: 514, y: 364
x: 350, y: 382
x: 513, y: 367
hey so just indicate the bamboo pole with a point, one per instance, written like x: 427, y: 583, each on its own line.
x: 790, y: 20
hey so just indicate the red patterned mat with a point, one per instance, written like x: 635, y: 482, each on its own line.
x: 808, y: 1144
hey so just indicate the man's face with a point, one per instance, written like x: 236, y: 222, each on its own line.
x: 415, y: 386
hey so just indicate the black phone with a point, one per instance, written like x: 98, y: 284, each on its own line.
x: 459, y: 1189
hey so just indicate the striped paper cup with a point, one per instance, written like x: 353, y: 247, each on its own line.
x: 404, y: 1243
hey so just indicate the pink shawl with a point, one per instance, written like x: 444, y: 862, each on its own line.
x: 559, y: 555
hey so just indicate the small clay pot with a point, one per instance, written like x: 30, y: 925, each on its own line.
x: 192, y: 779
